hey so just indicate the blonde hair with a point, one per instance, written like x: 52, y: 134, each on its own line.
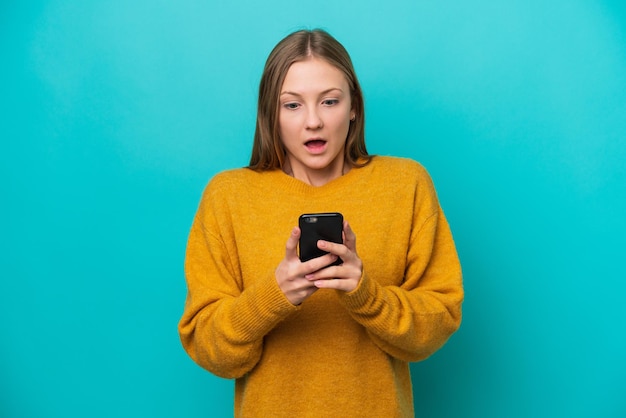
x: 268, y: 152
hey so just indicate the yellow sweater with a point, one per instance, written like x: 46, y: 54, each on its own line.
x: 338, y: 354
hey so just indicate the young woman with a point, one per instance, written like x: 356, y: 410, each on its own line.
x: 300, y: 338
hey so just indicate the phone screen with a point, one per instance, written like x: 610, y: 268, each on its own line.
x: 326, y: 226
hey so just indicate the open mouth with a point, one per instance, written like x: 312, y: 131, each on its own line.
x: 314, y: 144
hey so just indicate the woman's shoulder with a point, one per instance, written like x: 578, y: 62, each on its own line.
x: 235, y: 180
x: 399, y: 167
x: 403, y: 176
x: 233, y: 175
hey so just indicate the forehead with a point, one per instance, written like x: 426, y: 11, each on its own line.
x: 313, y: 74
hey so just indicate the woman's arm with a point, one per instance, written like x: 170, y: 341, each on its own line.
x: 412, y: 321
x: 223, y: 323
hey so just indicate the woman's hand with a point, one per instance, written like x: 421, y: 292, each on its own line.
x: 292, y: 274
x: 346, y: 276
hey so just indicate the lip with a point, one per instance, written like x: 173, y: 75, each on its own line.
x: 316, y: 145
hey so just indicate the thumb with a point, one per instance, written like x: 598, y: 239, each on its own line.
x: 350, y: 237
x: 292, y: 243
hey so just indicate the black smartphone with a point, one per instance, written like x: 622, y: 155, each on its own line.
x: 326, y: 226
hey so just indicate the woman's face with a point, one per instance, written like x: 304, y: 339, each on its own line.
x: 314, y: 118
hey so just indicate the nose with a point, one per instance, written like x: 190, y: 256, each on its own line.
x: 313, y: 119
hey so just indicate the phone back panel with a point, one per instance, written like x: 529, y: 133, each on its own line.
x: 319, y: 226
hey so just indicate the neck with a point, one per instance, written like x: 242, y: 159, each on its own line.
x: 315, y: 177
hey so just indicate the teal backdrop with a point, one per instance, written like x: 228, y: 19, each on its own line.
x: 114, y: 115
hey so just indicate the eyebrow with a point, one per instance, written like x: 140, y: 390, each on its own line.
x: 321, y: 94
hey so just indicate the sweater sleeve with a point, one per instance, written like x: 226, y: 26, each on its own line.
x: 223, y: 325
x: 412, y: 321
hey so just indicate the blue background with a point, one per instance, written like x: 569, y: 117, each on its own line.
x: 114, y: 115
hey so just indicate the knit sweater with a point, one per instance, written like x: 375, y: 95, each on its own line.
x: 337, y: 354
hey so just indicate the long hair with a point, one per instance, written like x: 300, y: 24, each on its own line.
x: 268, y: 152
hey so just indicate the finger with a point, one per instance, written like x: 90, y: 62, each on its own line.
x: 349, y: 236
x: 333, y: 248
x: 292, y: 243
x: 340, y: 272
x: 318, y: 263
x: 338, y: 284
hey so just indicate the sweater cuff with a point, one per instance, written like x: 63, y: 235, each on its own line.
x: 264, y: 306
x: 357, y: 299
